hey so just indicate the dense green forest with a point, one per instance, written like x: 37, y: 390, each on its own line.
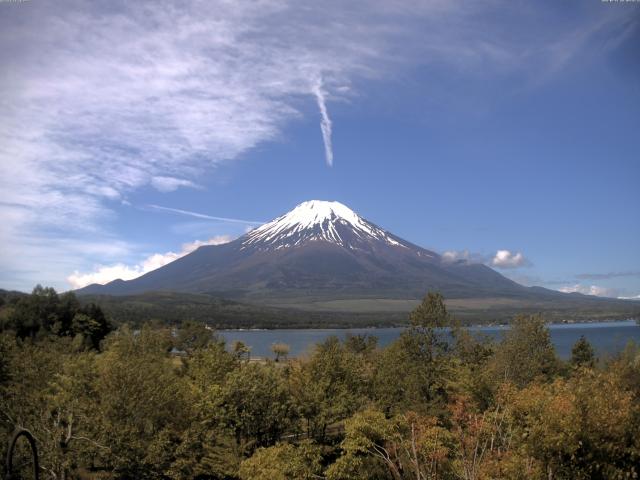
x: 118, y: 403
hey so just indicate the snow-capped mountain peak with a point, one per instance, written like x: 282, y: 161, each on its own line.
x: 315, y: 212
x: 318, y: 220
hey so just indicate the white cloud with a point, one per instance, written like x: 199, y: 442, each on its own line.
x: 508, y: 259
x: 503, y: 259
x: 451, y: 256
x: 637, y: 297
x: 169, y: 184
x: 589, y: 290
x: 106, y: 273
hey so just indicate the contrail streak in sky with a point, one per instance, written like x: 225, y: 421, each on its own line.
x: 202, y: 215
x: 325, y: 122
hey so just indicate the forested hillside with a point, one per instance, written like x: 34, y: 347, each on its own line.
x: 171, y: 309
x: 122, y: 404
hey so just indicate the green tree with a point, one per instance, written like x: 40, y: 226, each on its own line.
x: 283, y: 462
x: 67, y: 307
x: 253, y: 405
x: 431, y: 313
x: 45, y: 312
x: 581, y: 428
x: 526, y: 352
x: 6, y: 346
x: 192, y: 336
x: 34, y: 399
x: 361, y: 344
x: 96, y: 329
x: 144, y: 404
x: 209, y: 366
x: 421, y: 354
x: 70, y: 440
x: 626, y: 367
x: 469, y: 376
x: 582, y: 354
x: 205, y: 453
x: 328, y: 387
x: 280, y: 350
x: 408, y: 446
x: 241, y: 350
x: 206, y: 449
x: 35, y: 312
x: 88, y: 330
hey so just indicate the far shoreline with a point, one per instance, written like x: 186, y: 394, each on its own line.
x: 471, y: 326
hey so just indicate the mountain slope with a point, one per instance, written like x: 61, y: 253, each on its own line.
x: 322, y: 251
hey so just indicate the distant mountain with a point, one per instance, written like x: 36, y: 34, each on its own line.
x: 322, y: 252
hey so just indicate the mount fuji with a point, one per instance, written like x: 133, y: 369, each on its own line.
x: 322, y: 250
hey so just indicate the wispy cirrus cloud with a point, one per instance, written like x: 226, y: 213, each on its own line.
x: 169, y: 184
x: 100, y: 99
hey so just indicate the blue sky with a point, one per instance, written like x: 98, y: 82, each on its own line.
x: 465, y: 127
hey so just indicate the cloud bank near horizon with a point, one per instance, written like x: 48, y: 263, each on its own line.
x: 102, y: 274
x: 595, y: 290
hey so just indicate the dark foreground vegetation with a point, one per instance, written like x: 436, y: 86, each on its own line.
x: 107, y: 403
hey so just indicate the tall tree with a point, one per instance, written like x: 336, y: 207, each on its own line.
x: 192, y: 336
x: 431, y: 313
x: 421, y: 354
x: 45, y: 312
x: 328, y: 387
x: 241, y: 350
x: 144, y: 404
x: 526, y: 352
x: 280, y: 350
x: 254, y: 405
x: 582, y: 354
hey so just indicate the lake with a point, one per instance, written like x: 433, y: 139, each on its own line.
x: 606, y: 337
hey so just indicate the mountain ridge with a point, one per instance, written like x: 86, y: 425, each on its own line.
x: 322, y: 251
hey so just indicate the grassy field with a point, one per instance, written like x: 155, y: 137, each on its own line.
x: 400, y: 305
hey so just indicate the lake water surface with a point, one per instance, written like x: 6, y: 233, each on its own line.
x: 606, y: 337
